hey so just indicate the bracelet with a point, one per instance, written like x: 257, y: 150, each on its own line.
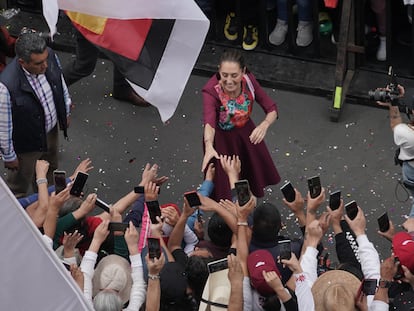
x: 154, y: 276
x: 242, y: 223
x: 41, y: 181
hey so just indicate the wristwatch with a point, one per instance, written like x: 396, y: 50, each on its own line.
x: 384, y: 283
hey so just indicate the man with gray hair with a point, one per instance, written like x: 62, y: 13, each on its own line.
x: 34, y: 100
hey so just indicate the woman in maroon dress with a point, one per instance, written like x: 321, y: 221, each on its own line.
x: 228, y: 130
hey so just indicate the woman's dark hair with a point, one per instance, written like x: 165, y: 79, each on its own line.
x: 266, y: 222
x: 234, y: 56
x: 197, y: 274
x: 218, y: 231
x: 271, y: 303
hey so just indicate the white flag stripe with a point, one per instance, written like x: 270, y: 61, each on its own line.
x: 182, y: 50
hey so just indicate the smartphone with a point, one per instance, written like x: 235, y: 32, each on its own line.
x: 67, y: 266
x: 217, y: 265
x: 139, y: 189
x: 335, y: 200
x: 369, y: 286
x: 351, y: 209
x: 154, y: 210
x: 192, y: 198
x: 59, y: 178
x: 102, y: 204
x: 384, y: 222
x: 400, y: 272
x: 117, y: 226
x: 243, y: 191
x: 154, y: 248
x: 314, y: 185
x: 78, y: 184
x: 288, y: 192
x: 285, y: 249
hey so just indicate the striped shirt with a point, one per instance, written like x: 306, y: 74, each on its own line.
x: 43, y: 91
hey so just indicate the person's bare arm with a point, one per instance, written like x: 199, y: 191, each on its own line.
x: 210, y: 152
x: 235, y: 276
x: 55, y: 203
x: 154, y: 289
x: 37, y: 211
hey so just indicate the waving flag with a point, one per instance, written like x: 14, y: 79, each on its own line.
x: 154, y: 43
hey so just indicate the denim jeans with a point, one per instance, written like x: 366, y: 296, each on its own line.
x: 304, y: 10
x: 408, y: 178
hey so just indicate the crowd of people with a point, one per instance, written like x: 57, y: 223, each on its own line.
x: 138, y: 254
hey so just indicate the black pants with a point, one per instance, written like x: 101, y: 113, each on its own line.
x: 249, y: 10
x: 84, y: 64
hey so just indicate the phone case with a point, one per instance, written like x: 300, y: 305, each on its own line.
x: 154, y: 210
x: 351, y: 209
x: 335, y: 200
x: 285, y: 251
x: 101, y: 204
x: 192, y: 198
x: 154, y: 248
x: 314, y: 185
x: 59, y: 180
x: 243, y: 191
x: 78, y: 184
x: 217, y: 265
x: 384, y: 222
x: 288, y: 192
x: 369, y: 286
x: 117, y: 226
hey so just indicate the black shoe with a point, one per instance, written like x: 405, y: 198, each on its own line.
x: 129, y: 95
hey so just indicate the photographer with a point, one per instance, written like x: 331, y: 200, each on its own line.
x: 403, y: 134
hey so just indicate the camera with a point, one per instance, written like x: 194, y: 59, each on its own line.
x: 388, y: 95
x: 392, y: 95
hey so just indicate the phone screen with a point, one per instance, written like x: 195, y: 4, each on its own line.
x: 351, y: 209
x: 217, y: 265
x: 78, y: 184
x: 288, y: 192
x: 192, y: 198
x: 117, y: 226
x: 285, y: 249
x: 243, y: 191
x: 369, y: 286
x: 59, y: 180
x: 314, y: 185
x: 154, y: 210
x: 384, y: 222
x: 335, y: 200
x: 154, y: 248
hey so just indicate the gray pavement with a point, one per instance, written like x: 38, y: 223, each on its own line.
x: 354, y: 155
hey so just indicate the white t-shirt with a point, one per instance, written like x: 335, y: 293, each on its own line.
x: 404, y: 138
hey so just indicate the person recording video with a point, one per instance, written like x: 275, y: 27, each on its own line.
x: 403, y: 132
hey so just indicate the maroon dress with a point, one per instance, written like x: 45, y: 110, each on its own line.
x: 232, y: 131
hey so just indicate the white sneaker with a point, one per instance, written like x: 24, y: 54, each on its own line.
x: 305, y: 35
x: 278, y: 35
x: 382, y: 49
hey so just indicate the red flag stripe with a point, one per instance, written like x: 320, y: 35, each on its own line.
x: 124, y: 37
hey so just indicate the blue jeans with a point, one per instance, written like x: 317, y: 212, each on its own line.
x: 408, y: 179
x: 304, y: 10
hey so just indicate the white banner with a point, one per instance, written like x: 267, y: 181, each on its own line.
x: 32, y: 276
